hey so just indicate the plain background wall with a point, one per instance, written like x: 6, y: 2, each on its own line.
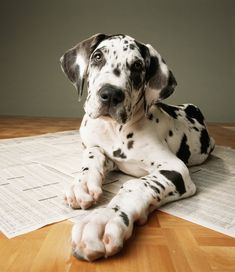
x: 196, y: 38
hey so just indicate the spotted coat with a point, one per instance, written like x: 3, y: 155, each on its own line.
x: 127, y: 127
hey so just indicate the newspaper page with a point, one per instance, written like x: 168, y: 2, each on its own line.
x: 34, y: 171
x: 213, y: 206
x: 31, y: 194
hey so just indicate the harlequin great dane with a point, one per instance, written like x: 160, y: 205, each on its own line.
x: 127, y: 127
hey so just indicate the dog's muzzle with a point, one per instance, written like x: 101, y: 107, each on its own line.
x: 111, y: 99
x: 110, y: 96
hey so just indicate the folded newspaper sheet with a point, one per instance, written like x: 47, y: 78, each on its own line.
x: 34, y: 171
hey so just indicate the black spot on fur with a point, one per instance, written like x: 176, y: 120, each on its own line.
x: 85, y: 169
x: 116, y: 208
x: 132, y: 46
x: 171, y: 194
x: 123, y: 116
x: 195, y: 128
x: 171, y: 110
x: 170, y: 133
x: 183, y: 153
x: 159, y: 184
x: 120, y: 128
x: 119, y: 154
x: 135, y: 75
x: 155, y: 189
x: 150, y: 116
x: 152, y: 163
x: 125, y: 218
x: 117, y: 72
x: 157, y: 120
x: 91, y: 157
x: 130, y: 144
x: 194, y: 112
x: 176, y: 178
x: 205, y: 141
x: 129, y: 135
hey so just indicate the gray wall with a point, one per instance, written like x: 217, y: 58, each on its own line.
x: 195, y: 37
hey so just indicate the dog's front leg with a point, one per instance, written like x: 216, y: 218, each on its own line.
x: 103, y: 231
x: 86, y: 188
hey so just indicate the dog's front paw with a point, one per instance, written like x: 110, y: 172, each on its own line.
x: 84, y: 191
x: 100, y: 234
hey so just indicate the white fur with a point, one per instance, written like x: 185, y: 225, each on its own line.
x: 80, y: 60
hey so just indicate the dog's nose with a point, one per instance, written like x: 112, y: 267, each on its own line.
x: 111, y: 95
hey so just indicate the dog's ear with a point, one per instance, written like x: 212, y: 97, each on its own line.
x: 159, y: 79
x: 75, y: 61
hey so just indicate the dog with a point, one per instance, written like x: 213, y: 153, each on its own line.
x: 126, y: 127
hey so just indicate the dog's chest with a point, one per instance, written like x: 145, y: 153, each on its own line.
x: 123, y: 145
x: 127, y: 155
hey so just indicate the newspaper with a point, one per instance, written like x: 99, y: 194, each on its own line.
x: 213, y: 206
x: 34, y: 171
x: 31, y: 197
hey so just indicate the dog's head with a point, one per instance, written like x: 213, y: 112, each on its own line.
x: 121, y: 75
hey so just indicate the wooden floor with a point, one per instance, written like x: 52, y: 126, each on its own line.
x: 165, y: 243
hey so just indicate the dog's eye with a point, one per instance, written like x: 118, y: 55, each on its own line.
x: 97, y: 56
x: 138, y: 66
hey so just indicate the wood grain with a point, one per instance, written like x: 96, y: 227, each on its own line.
x: 165, y: 243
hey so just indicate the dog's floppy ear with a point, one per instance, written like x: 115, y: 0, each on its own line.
x: 159, y: 79
x: 75, y: 61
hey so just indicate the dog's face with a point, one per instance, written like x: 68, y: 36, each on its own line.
x: 121, y: 75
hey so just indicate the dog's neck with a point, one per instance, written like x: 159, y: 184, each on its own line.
x: 137, y: 116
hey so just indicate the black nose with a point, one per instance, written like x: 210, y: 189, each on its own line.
x: 111, y: 95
